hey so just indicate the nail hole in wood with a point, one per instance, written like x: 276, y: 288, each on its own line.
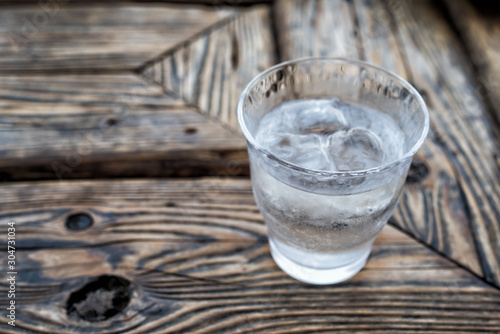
x: 418, y: 171
x: 170, y: 204
x: 190, y: 131
x: 111, y: 121
x: 78, y: 222
x: 100, y: 299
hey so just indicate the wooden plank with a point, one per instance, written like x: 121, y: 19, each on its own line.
x: 73, y: 126
x: 222, y: 2
x: 432, y: 205
x: 212, y: 71
x: 57, y: 36
x: 464, y: 128
x: 190, y: 255
x: 75, y: 123
x: 316, y: 28
x: 207, y: 2
x: 453, y: 199
x: 79, y: 89
x: 480, y: 32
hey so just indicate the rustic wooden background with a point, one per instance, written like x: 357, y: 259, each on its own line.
x: 125, y: 172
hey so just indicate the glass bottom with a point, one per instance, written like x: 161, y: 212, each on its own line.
x: 319, y: 276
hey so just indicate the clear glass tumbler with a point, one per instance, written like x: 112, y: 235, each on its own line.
x: 321, y: 224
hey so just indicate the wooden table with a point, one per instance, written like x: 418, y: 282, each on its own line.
x: 126, y: 176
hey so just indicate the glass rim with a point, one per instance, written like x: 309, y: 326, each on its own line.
x: 339, y: 60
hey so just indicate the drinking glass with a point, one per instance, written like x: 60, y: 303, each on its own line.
x: 321, y: 224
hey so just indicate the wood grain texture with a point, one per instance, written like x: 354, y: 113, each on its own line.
x: 212, y: 71
x: 196, y: 256
x: 73, y: 126
x: 187, y: 2
x: 464, y: 128
x: 223, y: 2
x: 432, y: 207
x: 59, y: 36
x: 316, y: 28
x: 455, y: 206
x: 481, y: 32
x: 79, y: 89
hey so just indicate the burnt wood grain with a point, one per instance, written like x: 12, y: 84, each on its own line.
x: 480, y: 31
x: 62, y: 36
x: 74, y: 126
x: 119, y: 90
x: 212, y: 71
x: 62, y: 125
x: 191, y: 256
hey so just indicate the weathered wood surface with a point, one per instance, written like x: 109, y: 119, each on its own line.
x: 191, y: 256
x: 453, y: 201
x: 212, y: 71
x: 481, y: 32
x: 105, y: 125
x: 186, y: 2
x: 73, y: 126
x: 64, y: 36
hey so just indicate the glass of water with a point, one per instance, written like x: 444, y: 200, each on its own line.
x: 330, y: 142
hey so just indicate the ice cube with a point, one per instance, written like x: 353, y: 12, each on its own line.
x: 302, y: 150
x: 279, y: 143
x: 355, y: 149
x: 322, y: 118
x: 313, y: 158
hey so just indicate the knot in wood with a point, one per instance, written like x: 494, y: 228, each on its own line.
x: 190, y: 131
x: 100, y: 299
x: 78, y: 222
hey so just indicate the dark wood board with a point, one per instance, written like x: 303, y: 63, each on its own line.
x: 191, y: 256
x: 212, y: 71
x: 97, y: 37
x: 480, y: 31
x: 60, y: 125
x: 74, y: 126
x: 125, y: 89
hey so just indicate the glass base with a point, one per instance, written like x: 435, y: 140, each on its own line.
x: 319, y: 276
